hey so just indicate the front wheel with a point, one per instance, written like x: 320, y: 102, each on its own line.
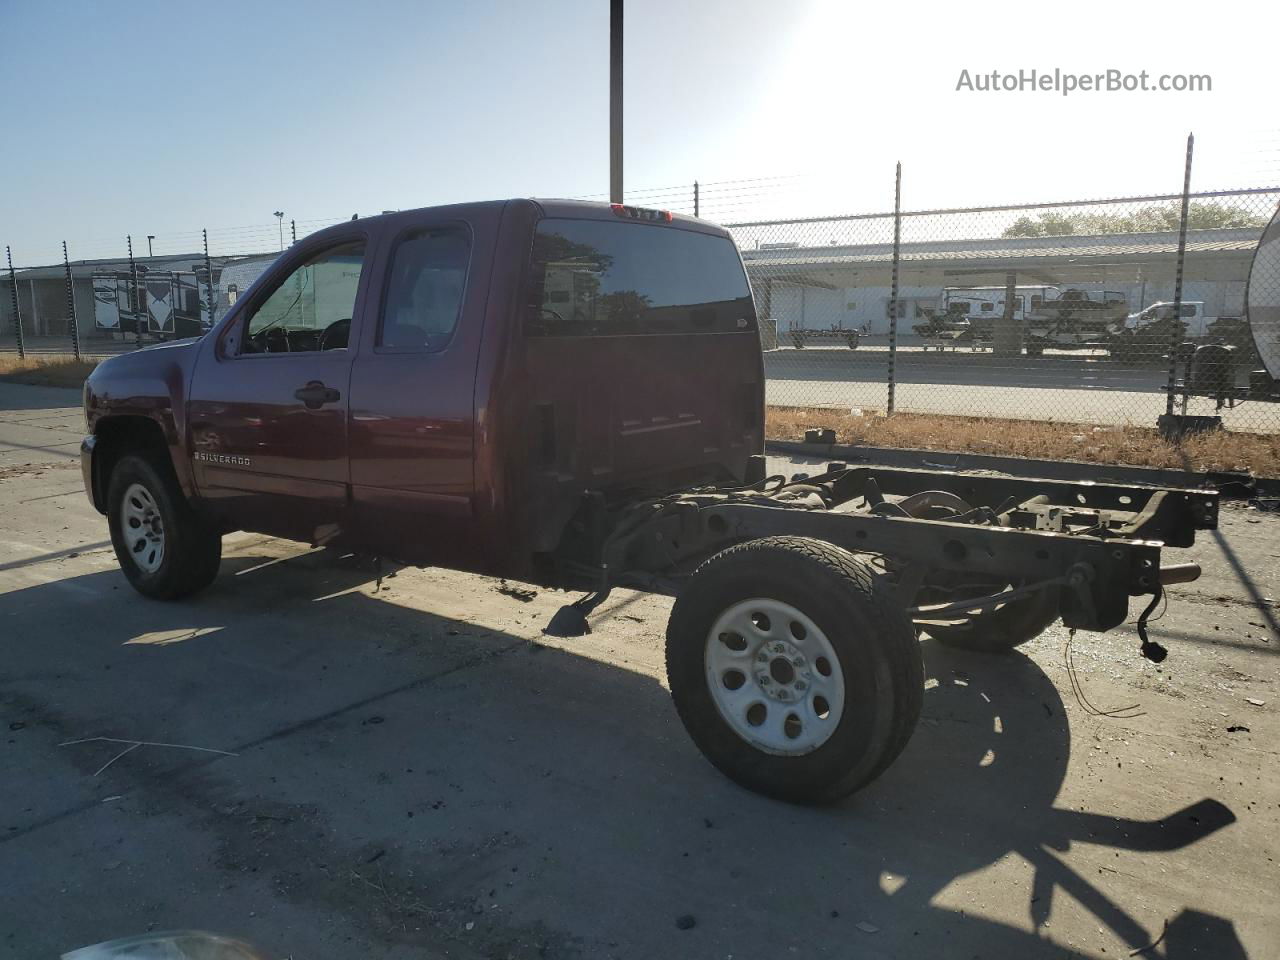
x: 164, y: 548
x: 793, y: 669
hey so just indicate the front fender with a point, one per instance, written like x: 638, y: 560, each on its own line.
x: 92, y: 485
x: 147, y: 385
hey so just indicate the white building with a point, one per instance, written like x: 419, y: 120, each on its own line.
x: 849, y: 286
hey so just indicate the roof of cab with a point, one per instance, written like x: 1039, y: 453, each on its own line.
x: 568, y: 209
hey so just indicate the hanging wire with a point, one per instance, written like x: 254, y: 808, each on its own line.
x: 1116, y: 713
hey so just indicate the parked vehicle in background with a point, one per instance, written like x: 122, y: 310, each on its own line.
x: 802, y: 336
x: 1073, y: 320
x: 1147, y: 334
x: 572, y: 394
x: 1047, y: 316
x: 969, y: 314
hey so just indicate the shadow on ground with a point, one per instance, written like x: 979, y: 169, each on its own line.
x: 398, y: 772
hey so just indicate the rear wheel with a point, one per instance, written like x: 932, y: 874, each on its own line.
x: 1005, y: 627
x: 164, y: 548
x: 794, y: 671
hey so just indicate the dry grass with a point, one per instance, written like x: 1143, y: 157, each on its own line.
x: 1136, y: 446
x: 46, y: 373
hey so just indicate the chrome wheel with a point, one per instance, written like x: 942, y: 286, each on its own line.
x: 142, y: 527
x: 774, y: 677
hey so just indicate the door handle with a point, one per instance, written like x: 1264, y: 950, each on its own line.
x: 315, y: 395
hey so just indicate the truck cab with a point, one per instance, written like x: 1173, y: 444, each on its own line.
x: 1191, y: 312
x: 442, y: 385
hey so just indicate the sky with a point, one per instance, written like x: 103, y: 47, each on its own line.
x: 162, y: 118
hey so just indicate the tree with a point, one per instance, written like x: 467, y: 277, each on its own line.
x: 1152, y: 218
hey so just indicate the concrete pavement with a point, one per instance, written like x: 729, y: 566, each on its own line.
x: 411, y: 769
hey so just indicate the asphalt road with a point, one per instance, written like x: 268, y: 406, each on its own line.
x: 412, y: 770
x: 1072, y: 387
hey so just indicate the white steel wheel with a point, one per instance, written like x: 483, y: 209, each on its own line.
x: 774, y: 677
x: 772, y: 614
x: 143, y: 528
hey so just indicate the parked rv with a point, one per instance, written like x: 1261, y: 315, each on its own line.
x: 970, y: 313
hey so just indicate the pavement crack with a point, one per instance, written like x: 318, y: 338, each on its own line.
x: 278, y: 734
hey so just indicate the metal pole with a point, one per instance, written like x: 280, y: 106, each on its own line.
x: 208, y: 271
x: 1007, y: 341
x: 71, y: 303
x: 17, y: 312
x: 615, y: 101
x: 893, y: 294
x: 133, y: 297
x: 1175, y: 326
x: 695, y: 198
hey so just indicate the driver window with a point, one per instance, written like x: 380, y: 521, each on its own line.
x: 312, y: 307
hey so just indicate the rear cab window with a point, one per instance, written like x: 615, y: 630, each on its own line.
x: 425, y: 288
x: 597, y: 278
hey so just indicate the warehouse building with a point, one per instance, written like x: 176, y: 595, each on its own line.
x: 850, y: 286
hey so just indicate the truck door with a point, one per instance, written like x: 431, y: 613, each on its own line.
x: 1193, y: 316
x: 412, y: 417
x: 268, y: 406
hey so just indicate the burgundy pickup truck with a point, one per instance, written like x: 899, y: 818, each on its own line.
x: 572, y: 394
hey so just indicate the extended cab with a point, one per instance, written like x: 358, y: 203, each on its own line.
x: 573, y: 394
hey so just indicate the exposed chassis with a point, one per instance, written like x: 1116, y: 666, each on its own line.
x: 1100, y: 543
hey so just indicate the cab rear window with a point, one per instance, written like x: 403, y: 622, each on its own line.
x: 596, y: 278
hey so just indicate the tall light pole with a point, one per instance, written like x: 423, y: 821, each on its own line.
x: 280, y: 219
x: 615, y: 101
x: 150, y: 237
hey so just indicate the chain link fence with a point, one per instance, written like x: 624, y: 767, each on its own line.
x: 1103, y: 312
x: 1081, y: 312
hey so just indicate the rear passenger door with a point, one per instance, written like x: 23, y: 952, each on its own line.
x: 412, y: 414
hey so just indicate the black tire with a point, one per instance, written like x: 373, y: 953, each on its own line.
x: 192, y: 548
x: 876, y: 646
x: 1000, y: 630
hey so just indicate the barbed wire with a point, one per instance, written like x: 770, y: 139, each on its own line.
x: 726, y: 201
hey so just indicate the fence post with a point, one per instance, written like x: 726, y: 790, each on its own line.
x: 695, y: 198
x: 208, y: 272
x: 71, y: 303
x: 893, y: 294
x: 133, y: 297
x: 1175, y: 326
x: 17, y: 312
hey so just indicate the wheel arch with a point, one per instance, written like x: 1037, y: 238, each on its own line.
x: 122, y: 434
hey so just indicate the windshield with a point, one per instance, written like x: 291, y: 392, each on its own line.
x: 598, y: 278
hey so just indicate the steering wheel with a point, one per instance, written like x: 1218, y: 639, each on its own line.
x: 335, y: 335
x: 275, y: 340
